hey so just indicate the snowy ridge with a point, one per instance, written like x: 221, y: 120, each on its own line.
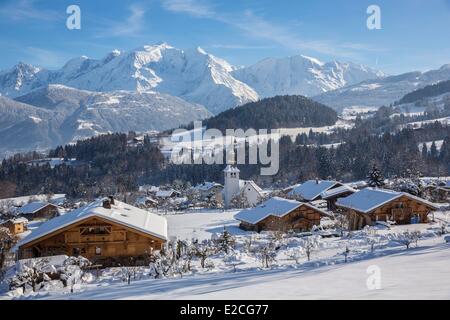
x: 302, y: 75
x: 383, y: 91
x: 57, y: 114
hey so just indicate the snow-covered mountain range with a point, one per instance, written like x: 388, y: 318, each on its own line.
x: 158, y: 87
x: 302, y: 75
x: 57, y: 114
x: 382, y: 91
x: 192, y: 75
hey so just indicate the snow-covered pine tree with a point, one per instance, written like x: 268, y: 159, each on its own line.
x: 226, y: 241
x: 375, y: 178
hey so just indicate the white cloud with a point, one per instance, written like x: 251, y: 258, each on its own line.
x: 259, y: 28
x: 26, y: 10
x: 131, y: 27
x: 192, y: 7
x: 238, y: 47
x: 45, y: 58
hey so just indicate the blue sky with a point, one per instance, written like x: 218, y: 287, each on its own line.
x: 414, y: 34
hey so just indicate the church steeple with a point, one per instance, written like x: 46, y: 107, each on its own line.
x: 231, y: 172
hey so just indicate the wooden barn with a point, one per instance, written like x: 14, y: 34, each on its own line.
x: 39, y: 210
x: 278, y: 214
x: 16, y: 226
x: 370, y: 205
x: 331, y: 196
x: 311, y: 190
x: 106, y: 231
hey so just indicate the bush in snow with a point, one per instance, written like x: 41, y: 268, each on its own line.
x: 37, y: 273
x: 310, y: 245
x: 7, y: 241
x: 249, y: 241
x: 233, y: 259
x: 33, y: 275
x: 203, y: 250
x: 296, y: 254
x: 267, y: 254
x: 407, y: 238
x: 226, y: 241
x: 346, y: 253
x: 163, y: 262
x: 129, y: 273
x: 341, y: 222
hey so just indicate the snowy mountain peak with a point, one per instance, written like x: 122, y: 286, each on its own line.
x: 193, y: 75
x: 302, y: 75
x: 313, y: 60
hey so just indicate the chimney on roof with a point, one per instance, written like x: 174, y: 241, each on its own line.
x: 106, y: 204
x: 317, y: 180
x: 111, y: 200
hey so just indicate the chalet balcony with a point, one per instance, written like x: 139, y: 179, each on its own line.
x: 401, y: 213
x: 97, y: 238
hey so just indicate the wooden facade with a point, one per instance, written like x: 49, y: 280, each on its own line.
x: 402, y: 210
x: 98, y: 239
x: 331, y: 201
x: 15, y: 227
x: 47, y: 212
x: 299, y: 220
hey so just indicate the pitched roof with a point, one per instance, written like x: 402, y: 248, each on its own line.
x: 310, y: 190
x: 120, y: 213
x: 231, y: 168
x: 205, y: 186
x: 369, y: 199
x: 33, y: 207
x: 337, y: 191
x: 165, y: 193
x: 245, y: 183
x: 276, y: 206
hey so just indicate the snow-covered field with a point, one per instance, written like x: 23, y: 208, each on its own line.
x: 417, y: 273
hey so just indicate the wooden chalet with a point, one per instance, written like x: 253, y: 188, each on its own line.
x: 370, y: 205
x: 39, y: 210
x: 331, y: 196
x: 105, y: 231
x: 16, y: 226
x: 278, y: 214
x: 311, y: 190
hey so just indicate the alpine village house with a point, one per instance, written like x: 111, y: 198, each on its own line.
x: 106, y: 231
x: 370, y: 205
x: 278, y: 214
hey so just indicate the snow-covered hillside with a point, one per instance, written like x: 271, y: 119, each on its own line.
x: 302, y: 75
x: 192, y: 75
x: 384, y: 91
x: 56, y: 114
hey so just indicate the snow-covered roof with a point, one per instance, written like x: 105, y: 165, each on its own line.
x: 120, y: 213
x: 206, y: 186
x: 312, y: 189
x: 337, y: 191
x: 144, y: 199
x: 19, y: 220
x: 165, y: 193
x: 33, y: 207
x: 369, y: 199
x: 276, y: 206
